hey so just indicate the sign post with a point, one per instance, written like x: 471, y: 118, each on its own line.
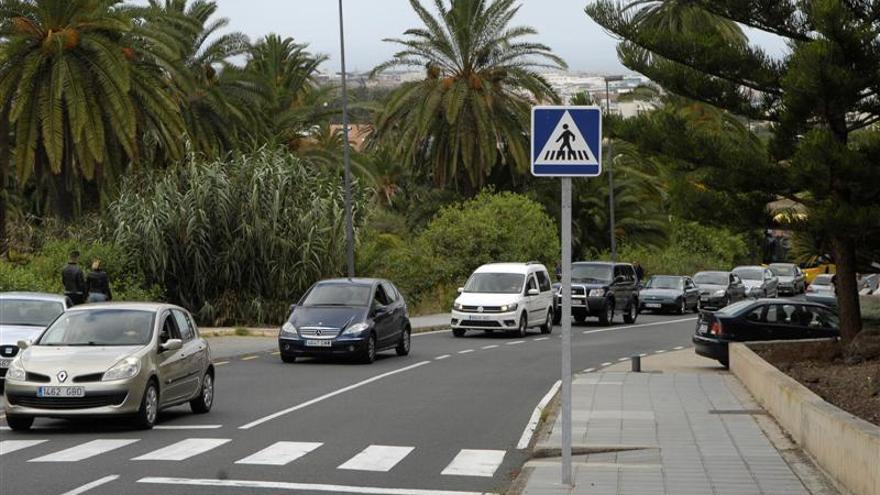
x: 566, y: 143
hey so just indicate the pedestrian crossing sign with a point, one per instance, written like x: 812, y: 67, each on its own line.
x: 566, y: 141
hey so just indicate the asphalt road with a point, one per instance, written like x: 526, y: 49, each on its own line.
x: 444, y: 420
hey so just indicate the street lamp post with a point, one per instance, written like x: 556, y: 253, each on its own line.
x: 611, y: 170
x: 349, y: 223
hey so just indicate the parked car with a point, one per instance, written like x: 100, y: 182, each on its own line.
x: 599, y: 289
x: 23, y: 316
x: 505, y: 297
x: 347, y: 317
x: 763, y: 319
x: 759, y: 281
x: 718, y: 289
x: 669, y: 292
x: 111, y: 359
x: 791, y: 279
x: 822, y: 291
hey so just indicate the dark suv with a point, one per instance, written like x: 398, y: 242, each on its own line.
x: 601, y: 288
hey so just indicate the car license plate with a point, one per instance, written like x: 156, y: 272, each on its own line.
x: 703, y: 328
x: 653, y: 305
x: 481, y: 317
x: 704, y: 299
x: 319, y: 343
x: 4, y: 363
x: 61, y: 392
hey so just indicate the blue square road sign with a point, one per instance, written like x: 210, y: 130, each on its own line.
x: 566, y: 141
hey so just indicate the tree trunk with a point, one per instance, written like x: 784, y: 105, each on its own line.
x: 4, y: 169
x: 847, y: 288
x: 62, y: 195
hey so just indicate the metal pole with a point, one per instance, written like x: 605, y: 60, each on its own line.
x: 566, y: 331
x: 610, y: 179
x: 349, y: 224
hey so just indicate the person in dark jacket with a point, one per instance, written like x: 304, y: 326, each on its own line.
x: 640, y: 272
x: 98, y: 283
x: 73, y: 280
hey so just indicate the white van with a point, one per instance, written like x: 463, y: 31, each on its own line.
x: 505, y: 297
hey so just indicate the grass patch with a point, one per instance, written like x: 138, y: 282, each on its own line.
x: 242, y: 332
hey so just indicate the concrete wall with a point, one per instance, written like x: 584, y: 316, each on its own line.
x: 846, y: 447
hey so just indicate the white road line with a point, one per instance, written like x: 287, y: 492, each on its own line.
x: 589, y: 370
x: 541, y: 338
x: 187, y: 427
x: 221, y: 363
x: 93, y: 484
x: 86, y: 450
x: 276, y: 353
x: 515, y: 342
x: 304, y: 487
x: 280, y: 453
x: 527, y: 433
x: 642, y: 355
x: 10, y: 446
x: 641, y: 325
x: 248, y: 358
x: 475, y: 463
x: 493, y: 346
x: 377, y: 458
x: 438, y: 358
x: 331, y: 394
x: 432, y: 332
x: 5, y: 428
x: 660, y: 351
x: 606, y: 364
x: 623, y: 359
x: 465, y: 351
x: 678, y: 348
x: 183, y: 449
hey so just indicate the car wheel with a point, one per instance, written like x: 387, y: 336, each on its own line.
x: 458, y: 332
x: 402, y: 348
x: 547, y: 327
x: 19, y: 423
x: 523, y: 326
x: 580, y: 318
x: 205, y: 399
x: 632, y: 314
x: 557, y: 316
x: 368, y: 355
x: 288, y: 358
x: 149, y: 410
x: 607, y: 316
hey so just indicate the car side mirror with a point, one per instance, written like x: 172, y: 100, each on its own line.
x: 23, y: 344
x: 171, y: 345
x: 533, y: 292
x: 460, y: 290
x: 292, y: 307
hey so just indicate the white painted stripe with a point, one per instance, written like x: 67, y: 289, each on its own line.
x: 641, y: 325
x: 86, y: 450
x: 515, y: 342
x: 5, y: 428
x: 606, y: 364
x: 10, y: 446
x: 377, y: 458
x: 438, y: 358
x: 93, y: 484
x: 678, y: 348
x: 248, y: 358
x: 623, y: 359
x: 305, y: 487
x: 493, y: 346
x: 465, y: 351
x: 183, y: 449
x: 432, y: 332
x: 660, y: 351
x: 589, y: 370
x: 475, y: 463
x: 280, y: 453
x: 276, y: 353
x: 331, y: 394
x: 541, y: 338
x: 642, y: 355
x: 527, y: 433
x: 220, y: 363
x: 187, y: 427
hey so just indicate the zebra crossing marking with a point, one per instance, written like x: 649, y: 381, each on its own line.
x: 85, y: 450
x: 377, y: 458
x: 475, y: 463
x: 10, y: 446
x: 183, y: 449
x: 280, y: 453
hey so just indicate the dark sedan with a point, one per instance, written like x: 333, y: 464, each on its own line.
x: 718, y: 289
x: 764, y: 319
x: 350, y: 317
x: 669, y: 292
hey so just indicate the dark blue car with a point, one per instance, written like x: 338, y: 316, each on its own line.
x: 347, y: 317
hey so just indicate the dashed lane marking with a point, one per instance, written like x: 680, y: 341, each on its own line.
x: 606, y: 364
x: 589, y: 370
x: 465, y: 351
x: 515, y: 342
x: 248, y: 358
x: 93, y: 484
x: 493, y: 346
x: 541, y: 338
x: 220, y: 363
x: 660, y: 351
x: 641, y: 325
x: 678, y: 348
x: 187, y: 427
x: 438, y: 358
x: 623, y: 359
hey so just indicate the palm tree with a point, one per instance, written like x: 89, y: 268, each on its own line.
x: 470, y: 114
x: 78, y: 80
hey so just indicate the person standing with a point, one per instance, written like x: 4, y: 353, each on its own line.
x: 73, y: 280
x: 640, y: 272
x: 98, y: 283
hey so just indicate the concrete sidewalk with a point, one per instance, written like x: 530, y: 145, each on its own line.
x: 682, y: 426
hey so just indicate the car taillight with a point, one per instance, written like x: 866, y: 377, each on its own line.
x: 716, y: 329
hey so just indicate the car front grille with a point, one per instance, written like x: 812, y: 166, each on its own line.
x: 36, y: 377
x: 8, y: 351
x: 319, y: 332
x: 480, y: 323
x: 578, y: 291
x: 93, y: 377
x: 90, y: 400
x: 481, y: 309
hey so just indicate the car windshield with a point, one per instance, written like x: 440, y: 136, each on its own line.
x: 735, y: 308
x: 338, y: 295
x: 495, y: 283
x: 822, y: 280
x: 782, y: 270
x: 665, y: 282
x: 587, y: 272
x: 29, y: 312
x: 710, y: 278
x: 750, y: 273
x: 100, y: 327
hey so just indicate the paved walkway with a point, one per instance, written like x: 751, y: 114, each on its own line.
x: 689, y: 433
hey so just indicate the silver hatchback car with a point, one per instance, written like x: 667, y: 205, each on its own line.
x: 111, y: 359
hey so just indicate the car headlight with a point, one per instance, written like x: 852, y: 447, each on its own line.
x: 356, y: 329
x: 16, y: 371
x: 719, y: 293
x: 597, y: 292
x: 126, y: 368
x: 508, y: 307
x: 457, y: 306
x: 288, y: 330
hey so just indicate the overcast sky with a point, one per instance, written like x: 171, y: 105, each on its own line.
x: 561, y: 24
